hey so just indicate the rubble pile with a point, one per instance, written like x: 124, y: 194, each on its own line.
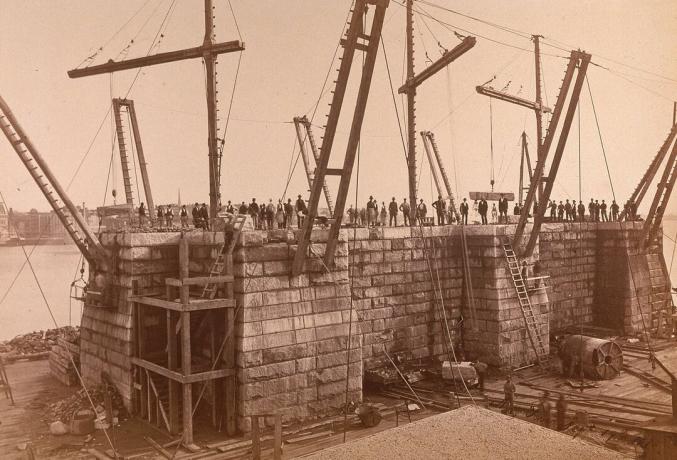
x: 64, y: 409
x: 38, y: 341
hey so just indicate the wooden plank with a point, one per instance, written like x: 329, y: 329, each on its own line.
x: 199, y: 280
x: 189, y: 305
x: 159, y: 58
x: 209, y: 375
x: 157, y: 369
x: 164, y: 452
x: 447, y: 58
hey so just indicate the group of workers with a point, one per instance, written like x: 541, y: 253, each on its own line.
x: 544, y: 411
x: 164, y: 216
x: 597, y: 212
x: 267, y: 216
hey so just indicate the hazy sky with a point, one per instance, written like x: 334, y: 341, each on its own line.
x: 289, y: 46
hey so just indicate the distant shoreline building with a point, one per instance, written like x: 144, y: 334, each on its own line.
x: 4, y: 223
x: 35, y: 227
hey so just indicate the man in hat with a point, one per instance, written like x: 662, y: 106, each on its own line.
x: 406, y: 211
x: 392, y: 210
x: 441, y: 208
x: 301, y: 211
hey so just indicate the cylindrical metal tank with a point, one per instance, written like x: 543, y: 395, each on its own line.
x: 600, y: 359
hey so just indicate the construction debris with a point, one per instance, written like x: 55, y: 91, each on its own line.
x: 65, y: 409
x: 36, y: 344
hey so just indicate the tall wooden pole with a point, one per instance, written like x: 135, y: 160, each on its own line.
x: 539, y: 110
x: 411, y: 110
x: 210, y: 64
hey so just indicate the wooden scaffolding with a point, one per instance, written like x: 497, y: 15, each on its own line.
x: 184, y: 342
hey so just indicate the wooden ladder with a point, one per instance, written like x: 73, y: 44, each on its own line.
x: 4, y: 383
x: 226, y: 248
x: 526, y: 307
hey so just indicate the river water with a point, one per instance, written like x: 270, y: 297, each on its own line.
x: 24, y: 310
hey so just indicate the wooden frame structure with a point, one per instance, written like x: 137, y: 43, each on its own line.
x: 128, y: 106
x: 638, y: 194
x: 208, y: 52
x: 164, y: 378
x: 429, y: 144
x: 578, y: 60
x: 303, y: 124
x: 654, y: 218
x: 351, y: 43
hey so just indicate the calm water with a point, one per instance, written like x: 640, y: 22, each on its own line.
x: 24, y: 310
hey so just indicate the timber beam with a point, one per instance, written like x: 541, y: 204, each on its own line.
x: 446, y: 59
x: 160, y: 58
x: 191, y: 305
x: 500, y: 95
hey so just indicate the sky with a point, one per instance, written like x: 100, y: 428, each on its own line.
x: 289, y: 48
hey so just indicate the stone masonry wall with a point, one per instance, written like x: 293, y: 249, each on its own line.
x: 568, y: 254
x: 631, y: 284
x: 292, y: 331
x: 292, y: 334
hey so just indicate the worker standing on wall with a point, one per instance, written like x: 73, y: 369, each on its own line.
x: 509, y: 392
x: 204, y: 214
x: 581, y: 211
x: 392, y: 210
x: 440, y: 206
x: 197, y: 221
x: 614, y: 211
x: 142, y: 215
x: 464, y: 212
x: 169, y: 217
x: 183, y: 214
x: 406, y: 211
x: 421, y: 212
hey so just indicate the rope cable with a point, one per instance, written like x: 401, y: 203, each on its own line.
x: 101, y: 48
x: 392, y: 92
x: 491, y: 141
x: 599, y: 132
x: 56, y: 325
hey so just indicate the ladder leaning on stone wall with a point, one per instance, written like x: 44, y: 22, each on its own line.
x: 537, y: 342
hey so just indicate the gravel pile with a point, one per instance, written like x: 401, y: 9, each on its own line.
x: 468, y: 432
x: 39, y: 341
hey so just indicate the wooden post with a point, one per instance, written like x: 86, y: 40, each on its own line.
x: 186, y: 355
x: 411, y: 112
x: 229, y: 357
x: 172, y: 364
x: 186, y: 370
x: 256, y: 440
x: 277, y: 446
